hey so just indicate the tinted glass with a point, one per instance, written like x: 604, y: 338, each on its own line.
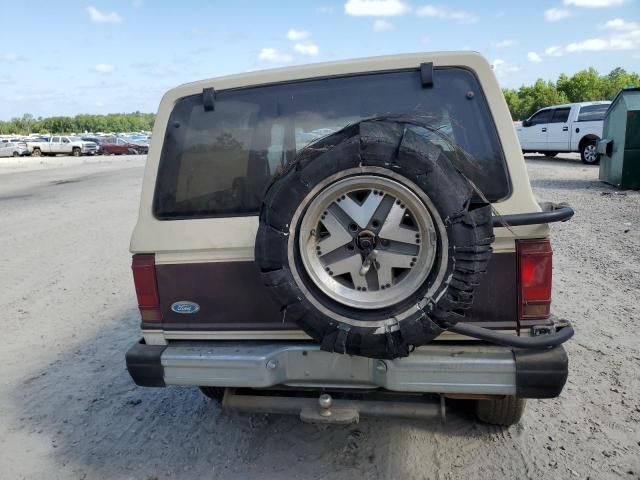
x: 542, y: 117
x: 592, y: 113
x: 218, y: 163
x: 560, y: 115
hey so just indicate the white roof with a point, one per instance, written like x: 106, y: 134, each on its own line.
x: 582, y: 104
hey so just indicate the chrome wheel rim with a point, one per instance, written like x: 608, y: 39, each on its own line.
x: 368, y: 241
x: 590, y: 153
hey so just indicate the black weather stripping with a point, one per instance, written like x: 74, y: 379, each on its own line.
x: 208, y: 99
x: 426, y: 74
x: 551, y: 213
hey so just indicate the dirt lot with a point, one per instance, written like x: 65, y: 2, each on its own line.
x: 69, y: 410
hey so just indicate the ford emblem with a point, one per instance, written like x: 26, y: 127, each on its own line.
x: 185, y: 307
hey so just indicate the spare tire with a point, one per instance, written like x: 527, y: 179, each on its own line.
x: 372, y: 240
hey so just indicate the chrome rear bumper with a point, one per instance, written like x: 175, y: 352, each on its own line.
x: 436, y: 368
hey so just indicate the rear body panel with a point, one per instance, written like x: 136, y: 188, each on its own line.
x: 209, y: 261
x: 231, y: 297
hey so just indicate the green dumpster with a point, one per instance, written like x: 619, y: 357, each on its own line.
x: 619, y: 149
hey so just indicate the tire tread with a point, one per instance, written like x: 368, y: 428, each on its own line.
x: 505, y: 411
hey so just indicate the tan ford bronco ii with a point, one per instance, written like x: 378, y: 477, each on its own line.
x: 345, y: 239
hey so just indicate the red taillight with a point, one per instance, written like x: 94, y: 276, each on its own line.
x: 144, y: 278
x: 534, y: 275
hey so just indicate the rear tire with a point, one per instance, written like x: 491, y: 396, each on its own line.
x: 36, y: 152
x: 505, y: 411
x: 16, y: 154
x: 214, y: 393
x: 588, y: 153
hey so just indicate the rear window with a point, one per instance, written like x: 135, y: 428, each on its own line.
x: 592, y: 113
x: 218, y: 163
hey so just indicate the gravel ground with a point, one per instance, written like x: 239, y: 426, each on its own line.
x: 69, y: 410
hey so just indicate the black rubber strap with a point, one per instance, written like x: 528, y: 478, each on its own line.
x: 208, y: 99
x: 426, y: 74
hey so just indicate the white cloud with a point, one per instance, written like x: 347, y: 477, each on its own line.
x: 504, y: 44
x: 97, y: 16
x: 295, y: 35
x: 619, y: 40
x: 534, y: 57
x: 382, y: 26
x: 376, y: 8
x: 9, y: 57
x: 444, y: 13
x: 620, y: 24
x: 555, y: 14
x: 600, y: 45
x: 594, y: 3
x: 553, y: 51
x: 104, y: 68
x: 308, y: 49
x: 503, y: 68
x: 272, y: 55
x: 156, y: 69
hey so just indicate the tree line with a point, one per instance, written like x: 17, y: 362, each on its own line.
x: 113, y: 122
x: 583, y: 86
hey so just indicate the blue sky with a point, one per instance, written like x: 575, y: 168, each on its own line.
x: 102, y: 56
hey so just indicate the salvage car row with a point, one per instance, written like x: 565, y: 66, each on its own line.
x: 132, y: 144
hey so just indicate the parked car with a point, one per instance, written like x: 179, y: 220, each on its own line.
x: 137, y: 139
x: 575, y: 127
x: 13, y: 148
x: 120, y: 146
x: 97, y: 140
x: 60, y: 144
x: 365, y: 264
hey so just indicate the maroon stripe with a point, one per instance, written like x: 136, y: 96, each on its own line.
x: 231, y: 296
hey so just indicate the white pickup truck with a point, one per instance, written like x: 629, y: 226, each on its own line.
x: 575, y: 127
x: 62, y: 145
